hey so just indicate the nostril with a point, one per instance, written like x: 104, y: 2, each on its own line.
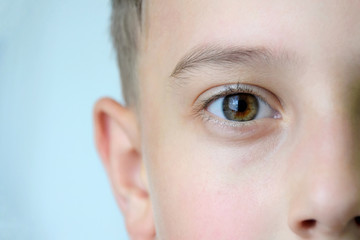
x: 357, y: 220
x: 310, y: 223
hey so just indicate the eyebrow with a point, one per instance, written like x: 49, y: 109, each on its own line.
x: 216, y: 56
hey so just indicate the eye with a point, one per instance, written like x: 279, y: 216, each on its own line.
x: 241, y: 107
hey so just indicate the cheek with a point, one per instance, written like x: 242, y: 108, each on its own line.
x: 199, y: 195
x: 221, y: 214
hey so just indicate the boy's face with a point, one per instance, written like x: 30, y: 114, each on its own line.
x: 268, y: 178
x: 255, y: 134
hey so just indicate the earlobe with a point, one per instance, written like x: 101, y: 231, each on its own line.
x: 118, y: 143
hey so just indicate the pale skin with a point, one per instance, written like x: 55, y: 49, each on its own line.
x: 181, y: 171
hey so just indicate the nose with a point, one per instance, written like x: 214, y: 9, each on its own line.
x: 325, y: 199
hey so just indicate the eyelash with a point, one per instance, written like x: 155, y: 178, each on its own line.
x: 229, y: 90
x: 201, y: 107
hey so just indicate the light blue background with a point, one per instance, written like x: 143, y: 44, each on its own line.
x: 56, y: 59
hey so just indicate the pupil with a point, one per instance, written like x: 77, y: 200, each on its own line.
x: 242, y: 105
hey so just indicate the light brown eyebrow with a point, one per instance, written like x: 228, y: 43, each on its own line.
x: 216, y: 56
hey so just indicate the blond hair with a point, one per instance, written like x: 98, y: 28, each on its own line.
x: 125, y: 30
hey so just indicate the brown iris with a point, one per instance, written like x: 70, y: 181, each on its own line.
x: 240, y: 107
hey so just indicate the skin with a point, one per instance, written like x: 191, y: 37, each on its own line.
x: 181, y: 174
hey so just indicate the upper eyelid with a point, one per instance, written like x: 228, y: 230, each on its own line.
x: 233, y: 90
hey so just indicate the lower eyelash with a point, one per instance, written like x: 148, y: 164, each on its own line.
x: 206, y: 117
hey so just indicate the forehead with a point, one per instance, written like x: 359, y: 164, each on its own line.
x: 181, y: 23
x: 312, y: 28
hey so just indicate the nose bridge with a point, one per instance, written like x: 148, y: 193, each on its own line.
x: 326, y: 197
x: 327, y: 141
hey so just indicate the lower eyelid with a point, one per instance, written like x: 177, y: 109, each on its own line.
x: 241, y: 131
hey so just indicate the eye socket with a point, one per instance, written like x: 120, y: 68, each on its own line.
x: 241, y: 107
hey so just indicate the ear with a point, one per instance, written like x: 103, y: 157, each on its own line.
x: 118, y: 143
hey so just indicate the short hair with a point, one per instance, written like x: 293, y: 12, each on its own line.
x: 125, y: 31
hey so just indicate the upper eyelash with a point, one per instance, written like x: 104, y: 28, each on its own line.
x: 229, y: 90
